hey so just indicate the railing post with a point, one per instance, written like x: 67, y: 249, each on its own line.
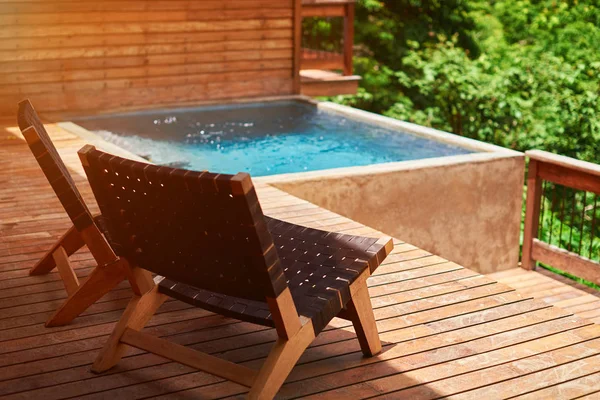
x: 348, y: 39
x: 532, y: 214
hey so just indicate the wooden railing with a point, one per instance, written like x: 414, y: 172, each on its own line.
x: 327, y: 35
x: 562, y: 217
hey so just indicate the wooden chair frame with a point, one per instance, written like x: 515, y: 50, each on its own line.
x: 110, y: 269
x: 108, y: 273
x: 345, y: 294
x: 295, y: 334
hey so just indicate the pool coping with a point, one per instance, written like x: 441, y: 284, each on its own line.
x: 383, y: 168
x: 408, y: 127
x: 483, y: 151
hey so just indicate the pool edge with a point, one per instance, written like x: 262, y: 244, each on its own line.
x: 418, y: 130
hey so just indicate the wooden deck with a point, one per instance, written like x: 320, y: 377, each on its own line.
x: 447, y: 331
x: 554, y: 289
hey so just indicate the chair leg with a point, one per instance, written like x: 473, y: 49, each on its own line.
x: 279, y: 363
x: 137, y: 314
x: 65, y: 269
x: 140, y: 280
x: 360, y: 312
x: 70, y: 241
x: 100, y: 282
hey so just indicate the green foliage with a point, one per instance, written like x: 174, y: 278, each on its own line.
x: 519, y: 73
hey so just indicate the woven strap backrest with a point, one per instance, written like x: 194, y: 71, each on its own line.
x: 52, y: 165
x: 202, y: 229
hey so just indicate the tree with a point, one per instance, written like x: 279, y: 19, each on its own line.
x: 518, y: 73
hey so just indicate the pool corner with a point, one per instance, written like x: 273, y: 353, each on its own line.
x: 465, y: 208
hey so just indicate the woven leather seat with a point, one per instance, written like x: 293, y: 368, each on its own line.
x: 318, y: 266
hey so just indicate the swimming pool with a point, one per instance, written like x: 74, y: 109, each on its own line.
x: 419, y: 184
x: 261, y: 138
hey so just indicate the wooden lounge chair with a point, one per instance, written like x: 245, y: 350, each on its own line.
x: 206, y: 235
x: 85, y: 231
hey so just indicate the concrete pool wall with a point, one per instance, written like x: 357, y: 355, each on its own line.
x: 464, y: 208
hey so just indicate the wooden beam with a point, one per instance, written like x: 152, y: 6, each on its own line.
x: 566, y: 261
x: 296, y: 86
x: 98, y: 246
x: 349, y: 39
x: 67, y: 274
x: 101, y: 281
x: 285, y: 315
x: 192, y: 358
x: 70, y: 241
x: 279, y: 363
x: 138, y: 312
x: 324, y: 11
x: 570, y: 177
x: 532, y: 214
x: 308, y: 3
x: 334, y: 62
x: 360, y: 312
x: 329, y: 88
x: 567, y: 162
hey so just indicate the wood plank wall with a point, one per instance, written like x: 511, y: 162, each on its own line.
x: 87, y: 56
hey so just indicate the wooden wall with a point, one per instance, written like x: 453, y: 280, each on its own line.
x: 87, y: 56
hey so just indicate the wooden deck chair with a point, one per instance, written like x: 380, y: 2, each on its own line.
x: 206, y: 235
x: 86, y: 230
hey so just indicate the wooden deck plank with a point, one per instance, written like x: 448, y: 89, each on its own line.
x: 445, y: 330
x: 342, y: 348
x: 573, y: 362
x: 567, y: 390
x: 591, y: 396
x: 554, y: 289
x: 405, y: 374
x: 198, y: 388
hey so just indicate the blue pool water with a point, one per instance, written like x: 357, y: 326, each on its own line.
x: 261, y: 138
